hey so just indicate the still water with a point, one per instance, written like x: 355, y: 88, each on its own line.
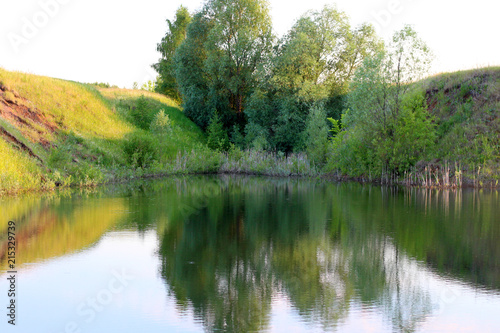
x: 246, y: 254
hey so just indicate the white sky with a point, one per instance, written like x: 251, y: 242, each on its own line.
x: 115, y: 40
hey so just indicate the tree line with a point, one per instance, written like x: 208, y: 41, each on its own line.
x: 234, y: 77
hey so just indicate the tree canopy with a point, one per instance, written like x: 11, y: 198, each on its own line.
x: 226, y: 64
x: 166, y: 83
x: 313, y: 62
x: 387, y: 127
x: 216, y: 64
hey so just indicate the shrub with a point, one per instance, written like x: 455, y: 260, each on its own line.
x: 140, y: 114
x: 237, y: 138
x: 217, y: 136
x: 414, y: 133
x: 161, y: 123
x: 316, y: 135
x: 139, y: 150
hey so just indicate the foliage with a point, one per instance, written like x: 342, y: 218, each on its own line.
x: 139, y: 150
x: 387, y: 128
x: 316, y: 135
x: 414, y: 133
x: 216, y: 64
x: 176, y: 33
x: 141, y: 113
x: 193, y: 83
x: 312, y: 63
x: 237, y: 137
x: 149, y: 86
x: 238, y: 41
x: 161, y: 123
x: 101, y: 84
x: 89, y: 135
x: 217, y: 138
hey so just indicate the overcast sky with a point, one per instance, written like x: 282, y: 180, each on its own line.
x: 115, y: 40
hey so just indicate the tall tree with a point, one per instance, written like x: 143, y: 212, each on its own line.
x: 379, y: 85
x: 387, y: 127
x: 169, y: 43
x: 236, y: 37
x: 312, y: 63
x: 189, y: 64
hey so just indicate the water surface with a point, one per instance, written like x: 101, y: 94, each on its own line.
x: 245, y: 254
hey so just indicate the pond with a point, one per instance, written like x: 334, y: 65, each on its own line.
x: 251, y: 254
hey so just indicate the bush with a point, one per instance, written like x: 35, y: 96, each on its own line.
x: 316, y: 135
x: 414, y: 133
x: 217, y: 136
x: 161, y: 123
x: 140, y: 113
x: 357, y: 151
x: 101, y: 84
x: 237, y: 138
x: 140, y: 150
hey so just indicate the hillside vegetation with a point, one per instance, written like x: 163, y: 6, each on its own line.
x: 55, y: 132
x: 466, y: 106
x: 354, y: 103
x: 61, y: 133
x: 447, y: 134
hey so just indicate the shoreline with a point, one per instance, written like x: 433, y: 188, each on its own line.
x: 331, y: 177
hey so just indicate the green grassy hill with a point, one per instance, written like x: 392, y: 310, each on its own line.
x: 443, y: 132
x: 55, y: 132
x: 466, y: 107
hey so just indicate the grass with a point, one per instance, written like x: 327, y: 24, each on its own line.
x: 184, y: 134
x: 466, y: 105
x: 72, y: 105
x: 17, y: 170
x: 81, y: 132
x: 107, y: 134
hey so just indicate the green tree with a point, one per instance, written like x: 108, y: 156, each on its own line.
x: 216, y: 64
x: 176, y: 33
x: 217, y: 137
x: 414, y: 132
x: 141, y: 113
x: 312, y: 63
x: 386, y: 128
x: 149, y: 86
x: 239, y: 39
x: 316, y: 135
x: 189, y: 63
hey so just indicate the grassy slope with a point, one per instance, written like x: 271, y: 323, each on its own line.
x: 466, y: 106
x: 60, y: 132
x: 185, y: 134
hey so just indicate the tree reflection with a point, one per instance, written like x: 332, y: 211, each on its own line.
x: 230, y: 246
x: 254, y: 239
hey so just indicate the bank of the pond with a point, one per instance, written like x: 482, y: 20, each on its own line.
x: 56, y: 133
